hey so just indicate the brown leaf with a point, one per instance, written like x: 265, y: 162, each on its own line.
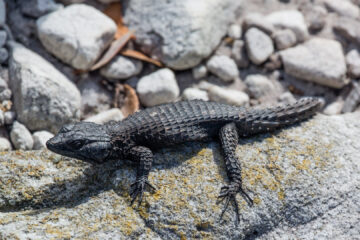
x: 114, y: 11
x: 140, y: 56
x: 126, y: 99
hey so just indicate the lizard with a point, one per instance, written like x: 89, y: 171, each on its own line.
x: 137, y: 136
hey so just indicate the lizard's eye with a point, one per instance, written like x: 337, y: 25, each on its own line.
x: 76, y: 144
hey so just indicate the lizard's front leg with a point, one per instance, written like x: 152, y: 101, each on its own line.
x: 229, y: 140
x: 144, y: 157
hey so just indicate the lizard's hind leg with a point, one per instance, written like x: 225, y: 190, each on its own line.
x: 229, y: 140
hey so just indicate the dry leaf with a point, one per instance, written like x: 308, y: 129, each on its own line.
x: 114, y: 11
x: 140, y: 56
x: 129, y: 102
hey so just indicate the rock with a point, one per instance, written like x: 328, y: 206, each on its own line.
x: 353, y: 63
x: 21, y: 137
x: 44, y: 98
x: 5, y: 95
x: 158, y: 87
x: 318, y: 60
x: 2, y: 13
x: 234, y: 31
x: 348, y: 28
x: 3, y: 55
x: 2, y: 118
x: 40, y: 138
x: 3, y: 37
x: 274, y: 62
x: 315, y: 17
x: 37, y: 8
x: 334, y: 108
x: 199, y: 71
x: 121, y: 68
x: 5, y: 145
x: 223, y: 67
x: 77, y: 34
x: 257, y: 20
x: 304, y: 181
x: 9, y: 117
x: 238, y: 53
x: 180, y: 33
x: 343, y: 7
x: 259, y: 45
x: 291, y: 19
x: 195, y: 93
x: 108, y: 1
x: 113, y: 114
x: 353, y: 98
x: 284, y: 39
x: 228, y: 96
x: 259, y: 86
x: 287, y: 98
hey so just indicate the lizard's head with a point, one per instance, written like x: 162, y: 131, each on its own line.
x: 83, y: 140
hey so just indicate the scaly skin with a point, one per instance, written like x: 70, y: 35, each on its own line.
x: 166, y: 125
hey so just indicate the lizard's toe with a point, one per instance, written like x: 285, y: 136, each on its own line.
x: 137, y: 190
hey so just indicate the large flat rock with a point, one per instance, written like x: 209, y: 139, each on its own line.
x: 303, y: 178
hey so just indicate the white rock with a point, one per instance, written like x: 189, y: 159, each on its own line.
x: 40, y: 138
x: 287, y: 98
x: 318, y: 60
x: 291, y: 19
x: 158, y: 87
x: 353, y: 63
x: 113, y: 114
x: 234, y: 31
x: 44, y: 98
x: 259, y: 45
x: 3, y: 55
x: 9, y: 117
x: 5, y: 144
x: 223, y: 67
x: 21, y: 137
x: 343, y: 7
x: 2, y: 13
x: 348, y: 28
x: 195, y: 93
x: 238, y: 53
x: 77, y: 34
x: 284, y: 39
x: 258, y: 21
x: 122, y: 68
x: 3, y: 37
x: 199, y: 71
x: 315, y: 17
x: 228, y: 96
x: 259, y: 86
x: 334, y: 107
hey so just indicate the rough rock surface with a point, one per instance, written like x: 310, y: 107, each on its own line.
x: 259, y: 45
x: 179, y: 33
x: 304, y: 181
x: 121, y: 68
x: 284, y: 39
x: 199, y: 71
x: 44, y: 98
x: 318, y: 60
x: 5, y: 144
x: 259, y: 86
x: 77, y: 34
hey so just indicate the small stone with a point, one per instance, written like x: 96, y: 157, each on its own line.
x: 228, y: 96
x: 37, y: 8
x: 353, y: 98
x: 2, y: 118
x: 284, y: 39
x: 9, y: 117
x: 348, y: 28
x: 199, y: 71
x: 3, y: 36
x: 287, y: 98
x: 40, y: 138
x: 291, y: 19
x: 257, y: 20
x: 334, y: 108
x: 3, y: 55
x: 223, y: 67
x: 113, y: 114
x: 315, y: 17
x: 5, y: 144
x: 259, y: 45
x: 3, y: 84
x: 238, y: 53
x: 158, y: 87
x: 5, y: 95
x: 274, y: 62
x: 343, y: 7
x: 121, y: 68
x: 235, y: 31
x: 21, y: 137
x: 195, y: 93
x: 353, y: 63
x: 2, y: 13
x: 259, y: 86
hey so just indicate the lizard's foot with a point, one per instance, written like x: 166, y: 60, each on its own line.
x: 137, y: 189
x: 228, y: 193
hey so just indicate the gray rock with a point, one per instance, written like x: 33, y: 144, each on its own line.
x: 318, y: 60
x: 259, y: 86
x: 3, y: 36
x: 291, y: 19
x: 121, y: 68
x: 257, y: 20
x: 353, y: 63
x: 238, y: 53
x: 284, y: 39
x: 334, y: 108
x: 228, y: 96
x: 2, y: 13
x: 259, y: 45
x: 113, y: 114
x: 235, y: 31
x: 304, y: 181
x: 21, y: 137
x: 193, y: 34
x: 4, y: 55
x: 199, y: 71
x: 5, y: 95
x: 40, y: 138
x: 3, y: 84
x: 9, y: 117
x: 348, y: 28
x: 352, y: 100
x: 223, y: 67
x: 274, y: 62
x: 37, y: 8
x: 158, y: 87
x: 5, y: 144
x: 315, y: 17
x: 343, y: 7
x: 44, y: 98
x: 287, y: 98
x: 2, y: 118
x: 77, y: 34
x: 195, y: 93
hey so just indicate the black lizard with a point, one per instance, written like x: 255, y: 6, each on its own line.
x: 137, y: 136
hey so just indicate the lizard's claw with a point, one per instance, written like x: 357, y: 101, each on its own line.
x: 137, y: 189
x: 228, y: 193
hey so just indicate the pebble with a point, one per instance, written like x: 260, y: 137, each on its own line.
x: 5, y: 144
x: 259, y: 86
x: 121, y: 68
x: 291, y: 19
x: 235, y: 31
x: 315, y: 17
x: 195, y: 93
x: 21, y: 137
x: 343, y: 8
x: 2, y: 13
x: 76, y: 34
x: 274, y: 62
x: 228, y: 96
x: 3, y: 36
x: 199, y: 71
x: 5, y: 95
x: 158, y: 87
x: 113, y: 114
x: 37, y: 8
x: 224, y: 67
x: 257, y: 20
x: 9, y: 117
x: 238, y: 53
x: 352, y: 100
x: 284, y: 39
x: 334, y: 108
x: 3, y: 55
x: 259, y: 45
x: 287, y: 98
x: 40, y: 138
x: 353, y: 63
x: 318, y: 60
